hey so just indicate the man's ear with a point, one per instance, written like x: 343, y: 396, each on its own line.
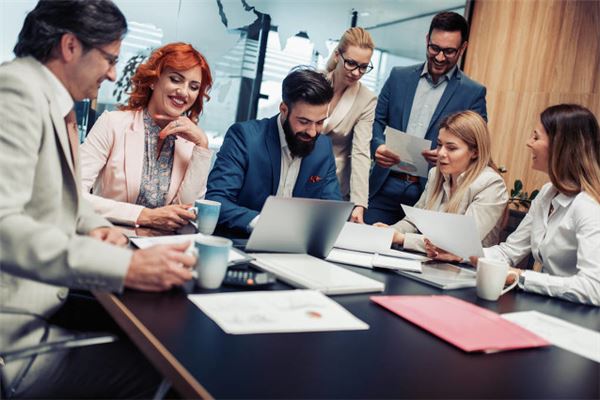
x: 463, y: 48
x: 69, y: 47
x: 283, y: 109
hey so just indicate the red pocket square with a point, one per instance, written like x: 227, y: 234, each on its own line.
x: 314, y: 179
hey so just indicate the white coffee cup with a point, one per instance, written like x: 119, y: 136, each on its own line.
x: 491, y: 277
x: 211, y: 264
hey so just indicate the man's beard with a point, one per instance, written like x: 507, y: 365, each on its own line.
x: 298, y: 148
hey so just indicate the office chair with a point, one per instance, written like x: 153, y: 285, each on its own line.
x: 31, y: 352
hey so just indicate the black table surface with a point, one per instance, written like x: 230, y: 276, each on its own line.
x: 393, y: 359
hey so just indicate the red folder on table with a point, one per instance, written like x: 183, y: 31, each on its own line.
x: 465, y: 325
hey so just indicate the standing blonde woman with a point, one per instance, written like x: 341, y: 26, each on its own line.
x: 464, y: 181
x: 351, y: 115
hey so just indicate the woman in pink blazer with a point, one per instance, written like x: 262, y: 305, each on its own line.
x: 145, y: 164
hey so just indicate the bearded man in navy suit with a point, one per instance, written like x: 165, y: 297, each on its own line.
x: 414, y: 100
x: 283, y: 156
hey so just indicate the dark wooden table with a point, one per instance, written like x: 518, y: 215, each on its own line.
x: 392, y: 359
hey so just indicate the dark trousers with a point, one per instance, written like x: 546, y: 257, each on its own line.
x: 114, y: 370
x: 384, y: 206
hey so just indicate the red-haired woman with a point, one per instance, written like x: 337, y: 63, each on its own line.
x: 146, y: 163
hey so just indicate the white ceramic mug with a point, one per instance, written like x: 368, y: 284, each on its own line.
x: 491, y: 277
x: 212, y: 261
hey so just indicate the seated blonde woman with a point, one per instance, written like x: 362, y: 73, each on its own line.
x: 464, y: 181
x: 139, y: 174
x: 562, y: 228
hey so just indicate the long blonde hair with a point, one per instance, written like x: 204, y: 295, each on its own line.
x: 356, y: 36
x: 471, y: 128
x: 574, y: 151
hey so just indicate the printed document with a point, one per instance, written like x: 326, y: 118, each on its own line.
x: 455, y: 233
x: 574, y: 338
x: 409, y: 149
x: 276, y: 311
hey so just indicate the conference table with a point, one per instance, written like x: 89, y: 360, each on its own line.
x: 392, y: 359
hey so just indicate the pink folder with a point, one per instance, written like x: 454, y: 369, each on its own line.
x: 465, y: 325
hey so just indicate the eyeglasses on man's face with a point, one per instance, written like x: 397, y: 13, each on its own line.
x: 350, y: 65
x: 110, y: 58
x: 434, y: 50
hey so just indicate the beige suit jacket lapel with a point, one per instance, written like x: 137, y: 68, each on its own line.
x: 342, y: 108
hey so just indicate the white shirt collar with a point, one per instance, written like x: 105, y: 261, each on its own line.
x: 63, y: 99
x: 282, y: 142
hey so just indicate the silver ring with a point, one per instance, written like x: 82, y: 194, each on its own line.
x: 176, y: 124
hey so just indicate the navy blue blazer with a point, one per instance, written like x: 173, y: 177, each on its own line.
x: 248, y: 166
x: 395, y: 102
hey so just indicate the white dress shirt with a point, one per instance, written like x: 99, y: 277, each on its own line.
x: 290, y: 166
x: 566, y: 243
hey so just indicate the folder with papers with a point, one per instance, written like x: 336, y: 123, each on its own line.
x: 465, y: 325
x: 370, y: 247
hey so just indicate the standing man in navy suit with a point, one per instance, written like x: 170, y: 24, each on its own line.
x: 414, y: 100
x: 284, y: 155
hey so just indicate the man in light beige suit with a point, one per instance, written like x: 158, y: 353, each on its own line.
x: 50, y: 239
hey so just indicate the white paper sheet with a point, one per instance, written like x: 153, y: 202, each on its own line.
x: 145, y: 242
x: 455, y: 233
x: 362, y: 237
x: 409, y: 150
x: 276, y: 312
x: 574, y: 338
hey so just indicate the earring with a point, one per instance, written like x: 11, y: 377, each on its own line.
x: 152, y: 87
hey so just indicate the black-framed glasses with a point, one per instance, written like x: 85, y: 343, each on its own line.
x: 351, y: 65
x: 434, y: 50
x: 110, y: 58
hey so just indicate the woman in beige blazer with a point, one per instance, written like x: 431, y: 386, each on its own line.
x: 351, y: 114
x: 464, y: 181
x: 146, y: 163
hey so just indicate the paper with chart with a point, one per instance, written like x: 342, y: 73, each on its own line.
x: 456, y: 233
x: 276, y: 311
x: 574, y: 338
x: 409, y: 149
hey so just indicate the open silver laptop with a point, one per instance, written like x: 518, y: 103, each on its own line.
x: 299, y: 225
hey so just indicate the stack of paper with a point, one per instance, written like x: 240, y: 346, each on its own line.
x: 369, y: 246
x: 276, y: 311
x: 465, y: 325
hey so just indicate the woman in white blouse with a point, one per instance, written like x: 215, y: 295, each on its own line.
x: 351, y: 115
x: 464, y: 181
x: 562, y: 227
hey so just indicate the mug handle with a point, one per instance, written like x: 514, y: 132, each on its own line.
x: 512, y: 285
x: 194, y: 223
x: 193, y: 251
